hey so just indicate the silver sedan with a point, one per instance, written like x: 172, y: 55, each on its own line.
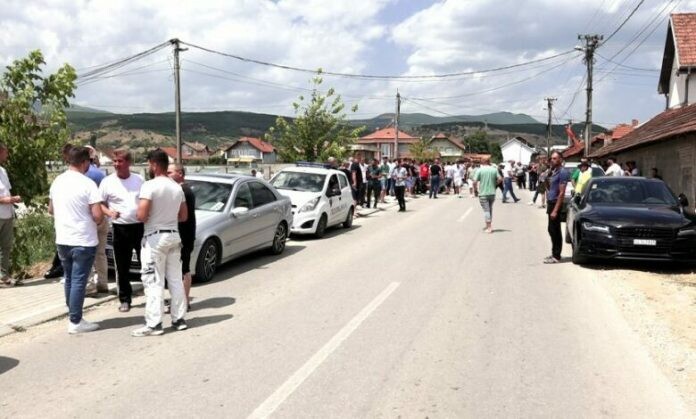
x: 235, y: 215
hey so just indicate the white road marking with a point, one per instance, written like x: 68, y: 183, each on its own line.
x: 284, y: 391
x: 466, y: 214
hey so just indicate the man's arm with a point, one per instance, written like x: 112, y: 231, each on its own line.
x: 50, y: 206
x: 559, y: 201
x: 97, y: 214
x: 183, y: 212
x: 143, y: 213
x: 108, y: 212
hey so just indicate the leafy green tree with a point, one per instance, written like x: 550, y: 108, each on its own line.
x: 33, y: 123
x: 421, y: 150
x: 496, y: 153
x: 477, y: 142
x: 318, y: 131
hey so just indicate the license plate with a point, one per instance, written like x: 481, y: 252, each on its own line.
x: 644, y: 242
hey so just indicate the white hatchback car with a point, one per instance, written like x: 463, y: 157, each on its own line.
x: 320, y: 197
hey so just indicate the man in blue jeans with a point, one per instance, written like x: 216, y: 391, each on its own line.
x: 75, y: 204
x: 508, y: 174
x: 435, y: 175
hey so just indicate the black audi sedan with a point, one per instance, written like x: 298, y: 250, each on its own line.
x: 630, y: 218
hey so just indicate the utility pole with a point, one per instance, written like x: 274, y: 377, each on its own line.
x: 177, y: 96
x: 549, y: 107
x: 590, y: 44
x: 396, y: 125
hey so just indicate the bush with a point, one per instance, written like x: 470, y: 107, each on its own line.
x: 34, y: 240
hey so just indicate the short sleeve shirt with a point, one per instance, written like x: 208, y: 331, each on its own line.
x: 95, y: 174
x: 435, y: 170
x: 6, y: 210
x: 122, y: 195
x: 487, y: 176
x: 556, y: 179
x: 71, y: 195
x: 357, y: 169
x: 166, y: 196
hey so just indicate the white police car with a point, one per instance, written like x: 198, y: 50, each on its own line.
x: 320, y: 197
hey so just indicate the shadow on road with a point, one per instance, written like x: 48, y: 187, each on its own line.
x: 215, y: 302
x: 331, y: 232
x: 207, y: 320
x: 121, y: 322
x: 7, y: 364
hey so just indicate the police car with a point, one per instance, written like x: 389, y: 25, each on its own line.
x: 321, y: 197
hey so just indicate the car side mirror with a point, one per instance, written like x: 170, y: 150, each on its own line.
x: 683, y: 201
x: 334, y: 192
x: 239, y: 211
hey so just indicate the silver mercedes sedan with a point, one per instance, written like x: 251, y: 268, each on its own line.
x: 235, y: 215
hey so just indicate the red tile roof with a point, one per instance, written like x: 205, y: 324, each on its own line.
x: 386, y: 135
x: 196, y: 146
x: 440, y: 136
x: 257, y: 143
x: 684, y: 27
x: 669, y: 123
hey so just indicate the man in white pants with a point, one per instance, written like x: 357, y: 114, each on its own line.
x: 162, y: 206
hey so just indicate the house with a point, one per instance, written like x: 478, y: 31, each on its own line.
x: 517, y: 149
x: 171, y: 153
x: 381, y: 143
x: 577, y: 150
x: 194, y: 150
x: 251, y: 150
x: 475, y: 158
x: 667, y: 142
x: 448, y: 148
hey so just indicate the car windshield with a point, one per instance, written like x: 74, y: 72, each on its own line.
x: 210, y: 196
x: 631, y: 193
x: 297, y: 181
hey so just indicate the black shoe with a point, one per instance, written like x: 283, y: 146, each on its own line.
x: 54, y: 273
x: 179, y: 325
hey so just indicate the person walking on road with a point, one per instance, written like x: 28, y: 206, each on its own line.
x: 162, y: 206
x: 384, y: 179
x: 187, y: 229
x: 76, y: 207
x: 508, y: 174
x: 120, y: 192
x: 435, y: 175
x: 7, y: 201
x: 558, y: 179
x: 357, y: 180
x: 486, y: 180
x: 374, y: 187
x: 400, y: 175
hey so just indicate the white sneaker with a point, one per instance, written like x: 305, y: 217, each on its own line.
x: 62, y: 280
x: 530, y: 203
x: 83, y: 327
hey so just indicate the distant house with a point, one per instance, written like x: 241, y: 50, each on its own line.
x: 194, y: 150
x: 381, y: 143
x: 518, y: 149
x: 475, y: 158
x: 667, y: 142
x: 250, y: 150
x: 171, y: 153
x: 448, y: 148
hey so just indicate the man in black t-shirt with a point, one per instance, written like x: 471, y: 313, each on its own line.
x: 187, y: 229
x: 356, y: 179
x: 435, y: 175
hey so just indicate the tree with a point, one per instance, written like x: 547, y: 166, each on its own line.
x: 421, y: 150
x: 496, y: 153
x: 477, y: 142
x: 318, y: 131
x: 33, y: 123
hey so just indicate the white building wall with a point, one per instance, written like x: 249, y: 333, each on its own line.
x: 677, y: 88
x: 516, y: 151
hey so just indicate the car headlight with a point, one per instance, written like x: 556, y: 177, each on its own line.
x: 687, y: 231
x: 309, y: 206
x: 598, y: 228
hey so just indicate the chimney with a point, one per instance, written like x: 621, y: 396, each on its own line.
x: 634, y: 123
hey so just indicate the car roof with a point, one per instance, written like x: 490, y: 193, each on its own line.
x: 577, y: 163
x: 625, y: 179
x: 313, y: 170
x: 227, y: 178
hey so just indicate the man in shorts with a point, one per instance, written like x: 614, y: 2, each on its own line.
x: 187, y: 229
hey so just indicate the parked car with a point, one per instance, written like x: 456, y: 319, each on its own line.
x: 629, y: 218
x: 572, y: 167
x: 235, y: 215
x: 321, y: 198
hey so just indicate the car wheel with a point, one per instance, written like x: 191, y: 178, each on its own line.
x: 207, y: 261
x: 349, y: 219
x: 578, y: 258
x: 279, y: 239
x: 321, y: 226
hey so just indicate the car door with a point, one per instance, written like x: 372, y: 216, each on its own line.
x: 239, y: 231
x: 346, y: 195
x: 265, y: 215
x: 332, y: 192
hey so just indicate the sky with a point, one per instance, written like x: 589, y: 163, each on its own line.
x: 369, y: 37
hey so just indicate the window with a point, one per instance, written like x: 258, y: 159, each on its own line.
x: 343, y: 181
x: 333, y: 185
x: 631, y: 193
x: 243, y: 198
x: 260, y: 194
x: 298, y: 181
x: 210, y: 196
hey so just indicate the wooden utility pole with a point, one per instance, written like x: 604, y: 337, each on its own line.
x: 177, y: 97
x: 549, y: 107
x: 590, y: 44
x: 396, y: 125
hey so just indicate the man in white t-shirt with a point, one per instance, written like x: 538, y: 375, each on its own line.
x: 613, y: 168
x: 6, y: 220
x: 161, y: 207
x: 75, y: 205
x: 508, y: 174
x: 459, y: 173
x: 120, y: 193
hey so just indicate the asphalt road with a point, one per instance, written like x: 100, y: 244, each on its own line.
x: 409, y: 315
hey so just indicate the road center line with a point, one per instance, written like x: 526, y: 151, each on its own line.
x: 466, y: 214
x: 288, y: 387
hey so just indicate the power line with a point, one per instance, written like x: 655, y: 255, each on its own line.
x: 657, y: 70
x: 121, y: 63
x: 373, y: 76
x: 630, y: 15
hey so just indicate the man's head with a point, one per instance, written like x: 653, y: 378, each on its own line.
x: 158, y: 162
x: 176, y: 172
x: 93, y: 156
x: 556, y: 158
x: 78, y: 158
x: 65, y: 152
x: 253, y: 172
x: 653, y: 172
x: 385, y: 159
x: 486, y: 160
x: 4, y: 153
x: 584, y: 165
x: 437, y: 161
x: 375, y: 162
x: 611, y: 161
x: 122, y: 160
